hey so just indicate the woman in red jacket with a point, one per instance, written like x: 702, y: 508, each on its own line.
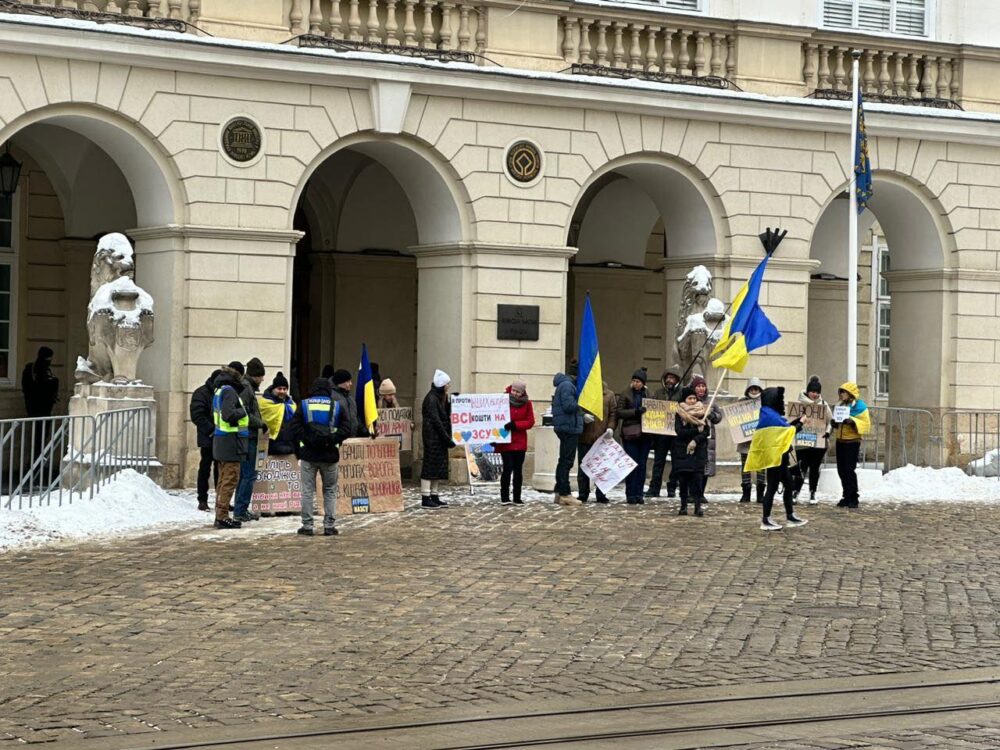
x: 522, y: 419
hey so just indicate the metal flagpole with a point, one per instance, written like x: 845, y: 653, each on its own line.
x: 852, y: 260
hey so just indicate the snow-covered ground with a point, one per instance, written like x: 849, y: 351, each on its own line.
x: 133, y: 505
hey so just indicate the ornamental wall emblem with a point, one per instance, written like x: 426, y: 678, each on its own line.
x: 524, y: 162
x: 241, y: 139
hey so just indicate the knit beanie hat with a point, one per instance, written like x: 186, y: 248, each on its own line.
x: 687, y: 391
x: 441, y: 379
x: 341, y: 376
x: 519, y: 385
x: 640, y: 374
x: 697, y: 380
x: 255, y: 368
x: 387, y: 388
x: 280, y: 381
x: 238, y: 366
x: 814, y: 385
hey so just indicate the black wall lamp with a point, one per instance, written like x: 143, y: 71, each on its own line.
x: 10, y: 173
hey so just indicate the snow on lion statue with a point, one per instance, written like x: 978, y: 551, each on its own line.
x: 119, y: 316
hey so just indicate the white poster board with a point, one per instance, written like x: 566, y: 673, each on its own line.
x: 478, y: 418
x: 607, y: 463
x: 841, y: 413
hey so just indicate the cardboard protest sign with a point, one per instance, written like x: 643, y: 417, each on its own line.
x: 368, y: 480
x: 484, y: 465
x: 607, y: 463
x: 278, y: 488
x: 741, y: 417
x: 659, y: 417
x: 478, y: 418
x: 815, y: 423
x: 397, y: 423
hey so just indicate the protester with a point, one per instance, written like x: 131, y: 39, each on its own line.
x: 635, y: 443
x: 342, y: 384
x: 689, y: 451
x: 231, y: 439
x: 436, y: 433
x: 670, y: 390
x: 522, y: 419
x: 771, y: 449
x: 712, y: 417
x: 811, y: 458
x: 849, y: 434
x: 200, y: 410
x: 248, y: 467
x: 282, y: 442
x: 387, y: 395
x: 752, y: 393
x: 39, y: 386
x: 593, y: 428
x: 319, y: 427
x: 567, y: 422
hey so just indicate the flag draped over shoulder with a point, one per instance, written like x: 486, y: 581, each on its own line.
x: 862, y: 162
x: 590, y: 382
x: 273, y: 415
x: 773, y: 438
x: 748, y: 327
x: 365, y: 394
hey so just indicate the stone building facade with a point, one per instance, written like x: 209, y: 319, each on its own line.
x: 393, y: 201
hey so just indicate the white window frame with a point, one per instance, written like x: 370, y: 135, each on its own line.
x: 701, y: 9
x: 9, y: 256
x: 930, y: 21
x: 879, y: 302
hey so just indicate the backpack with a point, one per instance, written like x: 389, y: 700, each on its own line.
x: 320, y: 434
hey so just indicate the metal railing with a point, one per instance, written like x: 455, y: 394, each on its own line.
x: 57, y: 460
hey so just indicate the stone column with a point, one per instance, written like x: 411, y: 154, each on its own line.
x: 219, y: 294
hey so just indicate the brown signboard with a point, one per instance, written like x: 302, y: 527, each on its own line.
x: 368, y: 479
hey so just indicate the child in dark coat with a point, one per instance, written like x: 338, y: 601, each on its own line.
x: 689, y: 452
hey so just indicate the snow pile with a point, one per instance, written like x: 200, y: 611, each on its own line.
x: 916, y: 484
x: 130, y: 504
x: 119, y: 247
x: 701, y: 279
x: 987, y: 466
x: 104, y: 301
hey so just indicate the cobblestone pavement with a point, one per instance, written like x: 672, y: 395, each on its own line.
x: 483, y: 605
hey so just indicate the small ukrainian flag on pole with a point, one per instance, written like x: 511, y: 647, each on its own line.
x: 590, y: 383
x: 748, y: 328
x: 365, y: 393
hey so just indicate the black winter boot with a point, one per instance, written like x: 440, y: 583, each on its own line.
x: 504, y: 495
x: 440, y: 503
x: 745, y: 498
x: 698, y: 503
x: 760, y: 493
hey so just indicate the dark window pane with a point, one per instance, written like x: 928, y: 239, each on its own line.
x: 6, y: 230
x: 6, y: 207
x: 4, y: 372
x: 4, y: 277
x: 4, y: 306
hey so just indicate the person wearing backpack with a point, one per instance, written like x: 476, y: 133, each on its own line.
x: 319, y: 426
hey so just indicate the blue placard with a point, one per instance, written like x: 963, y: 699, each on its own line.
x: 360, y: 505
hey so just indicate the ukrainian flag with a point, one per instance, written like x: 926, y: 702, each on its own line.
x: 748, y: 329
x: 365, y: 393
x: 773, y: 438
x: 589, y: 382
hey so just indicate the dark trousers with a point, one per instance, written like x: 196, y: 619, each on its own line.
x: 779, y: 475
x: 513, y: 465
x: 206, y: 467
x: 746, y: 479
x: 691, y: 485
x: 662, y: 445
x: 638, y: 451
x: 582, y: 480
x: 568, y: 445
x: 248, y: 476
x: 847, y: 466
x: 810, y: 461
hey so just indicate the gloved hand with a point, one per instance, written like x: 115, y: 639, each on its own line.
x: 642, y: 410
x: 509, y: 426
x: 451, y: 444
x: 588, y: 418
x: 609, y: 432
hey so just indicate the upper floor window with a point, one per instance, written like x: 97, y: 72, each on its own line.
x: 907, y: 17
x: 694, y: 5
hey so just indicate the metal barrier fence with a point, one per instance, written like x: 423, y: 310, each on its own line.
x: 900, y: 436
x: 57, y: 460
x: 971, y: 437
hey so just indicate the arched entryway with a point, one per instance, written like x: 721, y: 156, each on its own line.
x: 632, y: 216
x: 903, y: 323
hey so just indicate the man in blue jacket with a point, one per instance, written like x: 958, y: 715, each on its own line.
x: 567, y: 421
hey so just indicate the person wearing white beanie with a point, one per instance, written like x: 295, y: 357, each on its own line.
x: 436, y: 434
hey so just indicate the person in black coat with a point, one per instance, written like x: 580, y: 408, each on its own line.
x: 689, y: 451
x: 436, y: 432
x: 282, y: 444
x: 201, y: 415
x: 39, y: 386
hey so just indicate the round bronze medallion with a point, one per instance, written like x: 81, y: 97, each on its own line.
x: 524, y: 161
x: 241, y: 139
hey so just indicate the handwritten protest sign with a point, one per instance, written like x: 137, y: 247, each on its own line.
x: 278, y: 488
x: 742, y: 417
x: 397, y: 423
x: 607, y: 463
x: 478, y: 418
x: 841, y: 413
x: 659, y: 417
x: 369, y: 480
x: 815, y: 420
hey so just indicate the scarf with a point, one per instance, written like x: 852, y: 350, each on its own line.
x: 518, y: 401
x: 693, y: 415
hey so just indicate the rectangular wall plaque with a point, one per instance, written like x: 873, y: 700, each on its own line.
x: 517, y: 322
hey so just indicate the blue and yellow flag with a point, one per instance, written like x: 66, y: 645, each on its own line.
x: 748, y: 328
x: 365, y: 394
x: 773, y: 438
x: 862, y: 162
x: 589, y: 382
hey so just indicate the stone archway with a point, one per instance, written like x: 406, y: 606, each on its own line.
x: 906, y: 220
